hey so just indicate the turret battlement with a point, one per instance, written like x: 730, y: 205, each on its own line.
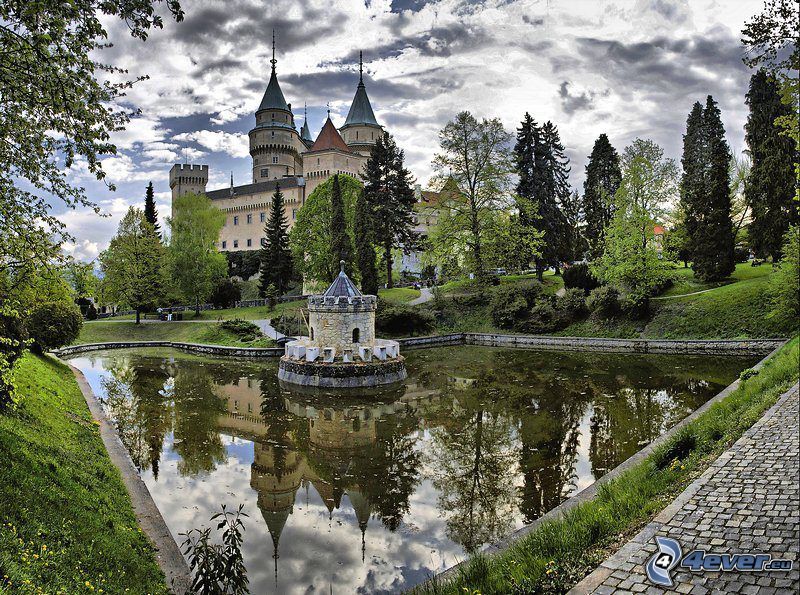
x: 185, y: 173
x: 342, y: 303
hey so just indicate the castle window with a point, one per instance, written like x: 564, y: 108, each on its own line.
x: 317, y: 160
x: 312, y: 333
x: 356, y: 335
x: 236, y: 219
x: 275, y: 159
x: 372, y: 135
x: 294, y: 213
x: 273, y: 134
x: 255, y: 161
x: 249, y: 242
x: 264, y: 172
x: 356, y: 134
x: 249, y: 218
x: 263, y: 217
x: 235, y: 243
x: 224, y: 244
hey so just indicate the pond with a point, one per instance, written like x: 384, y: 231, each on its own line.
x: 374, y: 493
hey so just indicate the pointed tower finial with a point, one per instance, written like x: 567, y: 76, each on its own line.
x: 341, y: 266
x: 329, y: 109
x: 360, y: 67
x: 273, y: 61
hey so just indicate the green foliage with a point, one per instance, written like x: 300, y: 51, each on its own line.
x: 770, y: 187
x: 365, y: 246
x: 133, y: 264
x: 277, y: 267
x: 603, y: 176
x: 310, y: 237
x: 59, y: 107
x: 397, y: 319
x: 244, y: 329
x: 630, y: 259
x: 475, y: 159
x: 785, y: 283
x: 511, y: 244
x: 81, y: 278
x: 388, y: 190
x: 53, y: 324
x: 218, y: 568
x: 226, y: 293
x: 150, y: 212
x: 64, y: 501
x: 243, y: 263
x: 291, y: 323
x: 341, y: 242
x: 195, y: 264
x: 604, y: 301
x: 13, y: 342
x: 542, y: 318
x: 579, y: 276
x: 508, y: 308
x: 572, y: 304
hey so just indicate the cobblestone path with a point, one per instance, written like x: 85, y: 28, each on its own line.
x: 747, y: 501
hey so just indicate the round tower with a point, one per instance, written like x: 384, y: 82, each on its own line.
x: 361, y: 129
x: 275, y: 144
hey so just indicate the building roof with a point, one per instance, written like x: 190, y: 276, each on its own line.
x: 342, y: 286
x: 273, y: 96
x: 329, y: 138
x: 361, y: 109
x: 305, y: 133
x: 258, y: 187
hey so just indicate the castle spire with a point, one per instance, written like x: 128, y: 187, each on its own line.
x: 273, y: 61
x: 361, y: 109
x: 273, y: 96
x: 360, y: 67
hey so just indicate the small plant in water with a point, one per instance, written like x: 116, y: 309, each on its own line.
x: 217, y: 568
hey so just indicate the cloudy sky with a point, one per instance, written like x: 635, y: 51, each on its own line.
x: 627, y: 68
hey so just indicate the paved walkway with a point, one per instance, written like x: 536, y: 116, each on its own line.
x: 747, y: 501
x: 266, y: 327
x: 425, y: 295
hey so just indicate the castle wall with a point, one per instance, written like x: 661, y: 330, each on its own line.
x: 321, y: 165
x: 335, y: 329
x: 239, y: 228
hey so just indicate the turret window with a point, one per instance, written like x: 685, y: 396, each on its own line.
x: 275, y: 159
x: 236, y: 219
x: 249, y: 218
x: 249, y: 243
x: 235, y: 243
x: 264, y: 172
x: 356, y: 335
x: 262, y: 217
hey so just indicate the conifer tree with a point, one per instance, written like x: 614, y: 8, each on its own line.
x: 150, y: 213
x: 524, y: 159
x: 388, y: 189
x: 770, y: 185
x: 276, y: 258
x: 365, y: 249
x: 341, y: 244
x: 705, y: 193
x: 603, y: 176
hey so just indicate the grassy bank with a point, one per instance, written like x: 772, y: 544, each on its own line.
x: 68, y: 525
x: 558, y: 554
x: 208, y: 333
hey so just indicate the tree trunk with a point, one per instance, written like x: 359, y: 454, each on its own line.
x: 137, y: 316
x: 539, y: 270
x: 197, y: 306
x: 388, y: 256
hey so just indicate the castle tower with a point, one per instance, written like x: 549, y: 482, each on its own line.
x: 185, y: 178
x: 275, y: 145
x: 361, y: 129
x: 305, y: 132
x: 328, y: 156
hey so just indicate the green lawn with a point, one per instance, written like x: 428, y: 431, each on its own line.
x: 551, y: 281
x: 559, y: 553
x: 685, y: 282
x: 252, y: 313
x: 209, y: 333
x: 67, y: 521
x: 399, y: 295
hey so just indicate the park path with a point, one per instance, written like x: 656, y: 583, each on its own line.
x: 683, y: 295
x: 425, y: 295
x: 266, y: 327
x: 746, y: 501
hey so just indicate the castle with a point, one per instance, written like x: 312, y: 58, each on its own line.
x: 283, y: 156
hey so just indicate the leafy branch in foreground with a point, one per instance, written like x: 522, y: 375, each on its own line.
x: 217, y: 568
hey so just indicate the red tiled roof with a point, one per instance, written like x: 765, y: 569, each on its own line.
x: 329, y: 138
x: 658, y: 230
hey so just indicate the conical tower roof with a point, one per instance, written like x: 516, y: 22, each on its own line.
x: 342, y: 286
x: 273, y: 96
x: 361, y: 109
x: 329, y: 138
x: 305, y: 133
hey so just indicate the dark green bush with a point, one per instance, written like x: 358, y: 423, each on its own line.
x: 508, y: 308
x: 53, y: 324
x: 291, y: 324
x: 226, y: 294
x: 572, y: 305
x: 579, y: 276
x: 244, y: 329
x: 603, y: 301
x: 741, y: 254
x: 401, y: 319
x: 13, y: 340
x: 542, y: 318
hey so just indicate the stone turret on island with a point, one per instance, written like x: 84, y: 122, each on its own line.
x: 341, y: 350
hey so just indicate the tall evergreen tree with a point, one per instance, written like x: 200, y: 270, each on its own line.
x: 705, y: 193
x: 527, y: 172
x: 770, y: 185
x: 276, y: 257
x: 150, y: 213
x: 341, y: 244
x: 365, y: 249
x: 603, y: 176
x: 388, y: 189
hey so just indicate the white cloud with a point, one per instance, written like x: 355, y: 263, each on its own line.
x: 233, y: 144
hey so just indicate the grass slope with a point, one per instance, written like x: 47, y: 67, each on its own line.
x: 399, y: 295
x: 68, y: 525
x: 209, y: 333
x: 559, y: 553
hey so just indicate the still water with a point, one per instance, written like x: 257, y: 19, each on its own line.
x: 374, y: 493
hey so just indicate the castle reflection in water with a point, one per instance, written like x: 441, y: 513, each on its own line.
x: 490, y: 439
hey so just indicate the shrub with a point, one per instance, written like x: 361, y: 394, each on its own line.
x: 244, y: 329
x: 532, y: 291
x: 572, y: 305
x: 291, y: 323
x: 91, y: 312
x: 662, y: 285
x: 543, y: 318
x: 53, y: 324
x: 603, y: 301
x: 741, y: 254
x: 784, y: 292
x: 396, y: 319
x: 226, y: 294
x: 508, y: 308
x: 578, y: 276
x: 13, y: 340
